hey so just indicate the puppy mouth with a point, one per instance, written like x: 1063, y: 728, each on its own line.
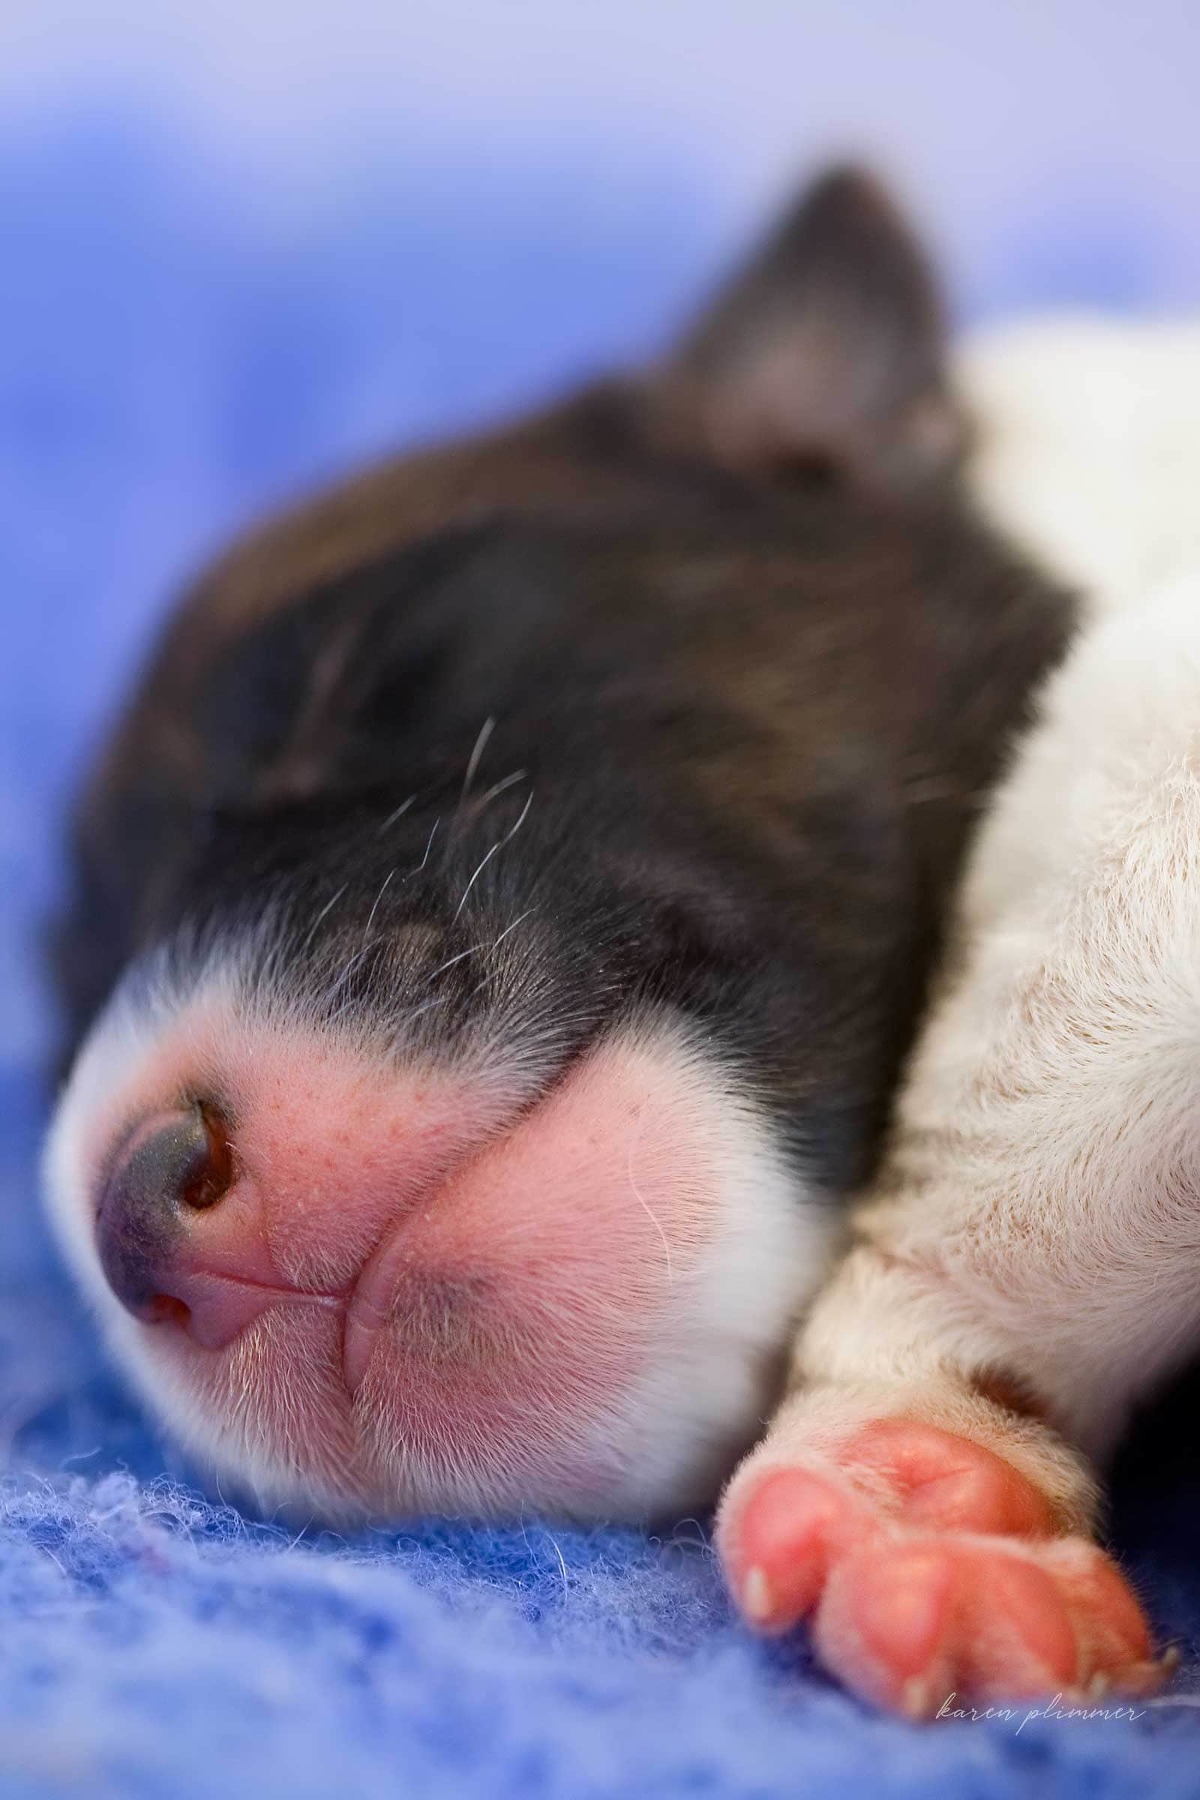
x: 394, y: 1268
x: 399, y: 1278
x: 219, y: 1309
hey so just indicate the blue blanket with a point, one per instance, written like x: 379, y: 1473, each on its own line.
x: 173, y: 356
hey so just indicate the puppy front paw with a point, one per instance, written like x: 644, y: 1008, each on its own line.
x: 928, y: 1566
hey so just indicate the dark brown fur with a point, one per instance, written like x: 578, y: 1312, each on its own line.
x: 731, y: 617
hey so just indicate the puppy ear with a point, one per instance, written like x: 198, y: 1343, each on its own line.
x: 828, y: 352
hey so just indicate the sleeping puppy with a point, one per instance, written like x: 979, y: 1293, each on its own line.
x: 1024, y: 1267
x: 503, y: 910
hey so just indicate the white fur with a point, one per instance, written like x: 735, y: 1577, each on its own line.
x: 1039, y: 1213
x: 1089, y: 447
x: 717, y: 1360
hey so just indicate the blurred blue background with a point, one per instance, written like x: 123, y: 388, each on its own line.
x: 244, y: 245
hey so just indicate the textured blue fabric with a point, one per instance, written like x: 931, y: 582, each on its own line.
x: 171, y: 359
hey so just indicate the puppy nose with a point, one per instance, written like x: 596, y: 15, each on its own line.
x: 175, y: 1167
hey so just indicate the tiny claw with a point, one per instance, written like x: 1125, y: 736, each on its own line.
x: 916, y: 1699
x: 1144, y: 1677
x: 1099, y: 1687
x: 757, y: 1601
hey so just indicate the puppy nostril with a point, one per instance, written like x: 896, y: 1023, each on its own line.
x: 175, y: 1165
x: 164, y: 1309
x: 178, y: 1160
x: 209, y: 1174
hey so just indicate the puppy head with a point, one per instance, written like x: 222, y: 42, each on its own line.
x: 484, y: 950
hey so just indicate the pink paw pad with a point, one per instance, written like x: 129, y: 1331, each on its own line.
x: 928, y: 1566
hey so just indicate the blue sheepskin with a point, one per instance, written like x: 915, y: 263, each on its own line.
x: 173, y: 358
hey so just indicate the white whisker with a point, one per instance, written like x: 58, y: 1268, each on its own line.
x: 428, y: 848
x: 499, y: 788
x: 474, y: 949
x: 450, y: 961
x: 324, y: 912
x: 367, y: 944
x: 485, y: 732
x: 438, y: 1000
x: 519, y: 920
x: 478, y: 872
x: 644, y: 1204
x: 441, y: 999
x: 375, y: 908
x: 524, y: 815
x: 398, y: 814
x: 498, y: 845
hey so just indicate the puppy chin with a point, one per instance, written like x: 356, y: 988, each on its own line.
x: 498, y: 1296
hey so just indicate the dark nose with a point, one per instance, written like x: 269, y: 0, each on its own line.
x: 174, y: 1166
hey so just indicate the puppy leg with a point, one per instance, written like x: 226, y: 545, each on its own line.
x: 1027, y: 1264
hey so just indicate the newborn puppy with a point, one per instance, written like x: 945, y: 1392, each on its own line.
x: 504, y: 907
x: 1025, y: 1266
